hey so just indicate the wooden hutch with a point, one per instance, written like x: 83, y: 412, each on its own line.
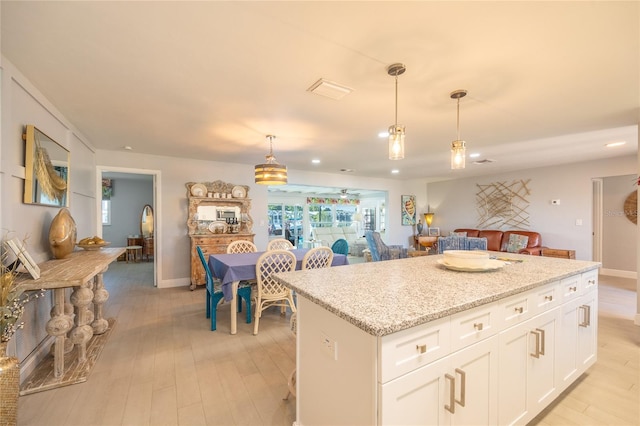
x: 209, y: 231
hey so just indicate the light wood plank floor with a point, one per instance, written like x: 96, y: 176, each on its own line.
x: 162, y: 365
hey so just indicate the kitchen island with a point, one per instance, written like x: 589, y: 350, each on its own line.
x: 410, y: 342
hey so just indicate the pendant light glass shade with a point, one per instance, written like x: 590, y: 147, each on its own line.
x: 458, y: 148
x: 396, y: 142
x: 396, y: 131
x: 457, y: 155
x: 271, y: 173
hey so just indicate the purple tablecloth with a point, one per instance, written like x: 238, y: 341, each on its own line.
x: 242, y: 266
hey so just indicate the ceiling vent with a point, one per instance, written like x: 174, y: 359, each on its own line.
x: 329, y: 89
x: 485, y: 161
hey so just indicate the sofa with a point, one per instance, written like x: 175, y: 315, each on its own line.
x: 499, y: 240
x: 327, y: 236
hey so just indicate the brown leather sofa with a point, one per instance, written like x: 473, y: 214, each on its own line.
x: 499, y: 240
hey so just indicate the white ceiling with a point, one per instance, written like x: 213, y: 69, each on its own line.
x: 548, y: 82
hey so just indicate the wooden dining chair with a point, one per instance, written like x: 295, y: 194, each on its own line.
x: 317, y: 257
x: 241, y: 246
x: 214, y: 293
x: 271, y: 292
x: 279, y: 244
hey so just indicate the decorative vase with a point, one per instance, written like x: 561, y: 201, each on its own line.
x: 9, y: 387
x: 419, y: 226
x: 62, y: 234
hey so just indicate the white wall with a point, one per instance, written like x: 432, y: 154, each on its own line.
x: 454, y: 202
x: 23, y: 104
x: 618, y: 232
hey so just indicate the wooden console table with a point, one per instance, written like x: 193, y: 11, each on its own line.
x: 83, y: 271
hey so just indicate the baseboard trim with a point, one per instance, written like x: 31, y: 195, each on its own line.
x: 619, y: 273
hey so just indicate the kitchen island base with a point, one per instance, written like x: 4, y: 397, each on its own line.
x: 498, y: 363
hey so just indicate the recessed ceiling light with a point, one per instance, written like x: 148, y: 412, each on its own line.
x: 395, y: 171
x: 614, y: 144
x: 127, y: 147
x: 474, y: 155
x: 348, y: 170
x: 384, y: 134
x: 315, y: 161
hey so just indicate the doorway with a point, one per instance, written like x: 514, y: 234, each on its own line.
x: 120, y: 210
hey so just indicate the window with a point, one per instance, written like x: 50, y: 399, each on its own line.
x: 106, y: 212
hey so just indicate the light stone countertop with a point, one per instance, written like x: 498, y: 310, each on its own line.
x: 385, y: 297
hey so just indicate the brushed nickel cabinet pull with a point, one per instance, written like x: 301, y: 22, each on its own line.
x: 478, y: 326
x: 573, y: 289
x: 451, y: 407
x: 519, y: 309
x: 541, y: 340
x: 549, y: 298
x: 587, y: 316
x: 463, y: 387
x: 536, y: 354
x: 421, y: 348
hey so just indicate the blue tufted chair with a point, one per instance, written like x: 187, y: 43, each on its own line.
x: 340, y: 246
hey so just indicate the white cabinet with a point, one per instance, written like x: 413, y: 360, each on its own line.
x: 527, y: 370
x: 497, y: 363
x: 578, y: 331
x: 459, y: 389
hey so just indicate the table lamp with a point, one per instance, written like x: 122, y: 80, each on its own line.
x: 428, y: 218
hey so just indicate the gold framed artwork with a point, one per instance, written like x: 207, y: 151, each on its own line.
x: 408, y: 209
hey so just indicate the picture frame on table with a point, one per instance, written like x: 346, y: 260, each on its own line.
x: 408, y: 209
x: 20, y: 251
x: 434, y: 232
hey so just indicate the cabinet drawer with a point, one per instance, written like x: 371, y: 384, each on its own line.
x: 546, y: 297
x: 471, y: 326
x: 570, y: 288
x: 589, y: 281
x: 409, y: 349
x: 517, y: 308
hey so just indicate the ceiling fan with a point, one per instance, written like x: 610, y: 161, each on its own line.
x: 343, y: 193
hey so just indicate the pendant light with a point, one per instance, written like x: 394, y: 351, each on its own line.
x: 396, y: 132
x: 458, y: 146
x: 270, y: 173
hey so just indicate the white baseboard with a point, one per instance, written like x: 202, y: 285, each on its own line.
x: 179, y: 282
x: 619, y: 273
x: 29, y: 364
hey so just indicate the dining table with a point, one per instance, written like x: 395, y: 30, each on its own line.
x: 232, y: 268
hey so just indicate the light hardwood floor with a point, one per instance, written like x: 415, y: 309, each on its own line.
x: 162, y: 365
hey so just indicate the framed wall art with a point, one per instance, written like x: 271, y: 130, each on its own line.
x: 408, y: 203
x: 20, y: 251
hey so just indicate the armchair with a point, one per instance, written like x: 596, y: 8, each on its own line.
x: 381, y: 251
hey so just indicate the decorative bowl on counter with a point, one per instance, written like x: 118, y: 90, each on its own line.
x: 466, y: 258
x: 93, y: 246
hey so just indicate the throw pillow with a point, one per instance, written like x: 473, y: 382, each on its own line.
x: 458, y: 234
x: 517, y: 243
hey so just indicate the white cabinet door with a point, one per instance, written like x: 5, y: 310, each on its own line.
x: 587, y: 331
x: 466, y: 393
x: 475, y: 370
x: 527, y: 380
x: 416, y: 398
x: 578, y: 336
